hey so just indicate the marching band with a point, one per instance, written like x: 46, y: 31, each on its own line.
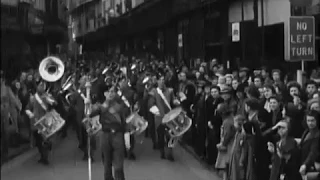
x: 116, y: 104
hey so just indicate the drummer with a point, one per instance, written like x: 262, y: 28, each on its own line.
x: 129, y: 98
x: 160, y: 103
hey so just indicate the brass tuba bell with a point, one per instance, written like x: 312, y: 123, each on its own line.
x: 51, y: 69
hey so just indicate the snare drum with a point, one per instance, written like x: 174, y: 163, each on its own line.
x: 136, y: 123
x: 49, y: 124
x: 177, y: 121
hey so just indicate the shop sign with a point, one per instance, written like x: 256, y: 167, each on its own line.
x: 180, y: 41
x: 236, y: 32
x: 300, y: 38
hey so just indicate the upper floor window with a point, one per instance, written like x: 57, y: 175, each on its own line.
x: 298, y: 10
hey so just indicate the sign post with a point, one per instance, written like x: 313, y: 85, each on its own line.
x: 300, y: 41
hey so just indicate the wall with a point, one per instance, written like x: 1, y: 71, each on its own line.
x: 39, y: 5
x: 275, y: 11
x: 10, y: 2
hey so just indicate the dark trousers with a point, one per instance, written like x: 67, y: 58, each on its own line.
x: 112, y: 145
x: 68, y: 117
x: 82, y: 136
x: 212, y: 152
x: 44, y: 146
x: 83, y: 140
x: 132, y: 144
x: 201, y: 140
x: 163, y: 138
x: 152, y: 128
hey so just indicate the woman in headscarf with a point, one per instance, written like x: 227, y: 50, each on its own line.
x: 285, y: 154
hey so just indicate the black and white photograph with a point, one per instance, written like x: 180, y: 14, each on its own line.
x: 160, y: 90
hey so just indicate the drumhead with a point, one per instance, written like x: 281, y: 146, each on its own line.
x: 172, y: 115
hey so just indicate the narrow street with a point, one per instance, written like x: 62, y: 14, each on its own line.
x: 67, y: 164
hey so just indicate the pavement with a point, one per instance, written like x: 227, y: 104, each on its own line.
x: 67, y: 164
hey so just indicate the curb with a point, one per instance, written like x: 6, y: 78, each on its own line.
x: 24, y: 157
x: 191, y: 151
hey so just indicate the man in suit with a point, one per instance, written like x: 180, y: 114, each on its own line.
x: 160, y: 103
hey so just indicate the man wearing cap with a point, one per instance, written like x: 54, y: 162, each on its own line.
x: 160, y: 103
x: 226, y: 94
x: 243, y: 75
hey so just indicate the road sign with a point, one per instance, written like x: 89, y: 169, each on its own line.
x: 300, y: 38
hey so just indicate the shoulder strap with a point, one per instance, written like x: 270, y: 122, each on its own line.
x: 39, y: 100
x: 163, y: 97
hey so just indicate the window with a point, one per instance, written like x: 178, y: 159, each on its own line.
x: 298, y: 10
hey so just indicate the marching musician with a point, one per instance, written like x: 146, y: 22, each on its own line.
x: 77, y: 101
x: 186, y: 95
x: 160, y: 103
x: 112, y: 139
x: 150, y: 84
x: 37, y: 107
x: 129, y: 97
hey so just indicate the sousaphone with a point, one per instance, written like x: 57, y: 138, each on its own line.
x: 51, y: 69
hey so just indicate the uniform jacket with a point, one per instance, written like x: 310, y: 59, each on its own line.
x: 111, y: 115
x: 35, y: 107
x: 130, y: 95
x: 156, y: 100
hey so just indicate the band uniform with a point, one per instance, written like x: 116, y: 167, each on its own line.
x: 129, y: 98
x: 158, y: 103
x: 112, y: 120
x: 78, y: 107
x: 36, y: 111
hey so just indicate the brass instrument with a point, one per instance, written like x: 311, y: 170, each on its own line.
x: 178, y: 123
x: 67, y: 86
x: 51, y: 69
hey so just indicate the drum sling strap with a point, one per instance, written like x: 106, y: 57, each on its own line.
x: 39, y: 100
x: 126, y: 135
x: 163, y: 98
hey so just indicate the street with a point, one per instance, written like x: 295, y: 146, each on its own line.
x: 67, y: 164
